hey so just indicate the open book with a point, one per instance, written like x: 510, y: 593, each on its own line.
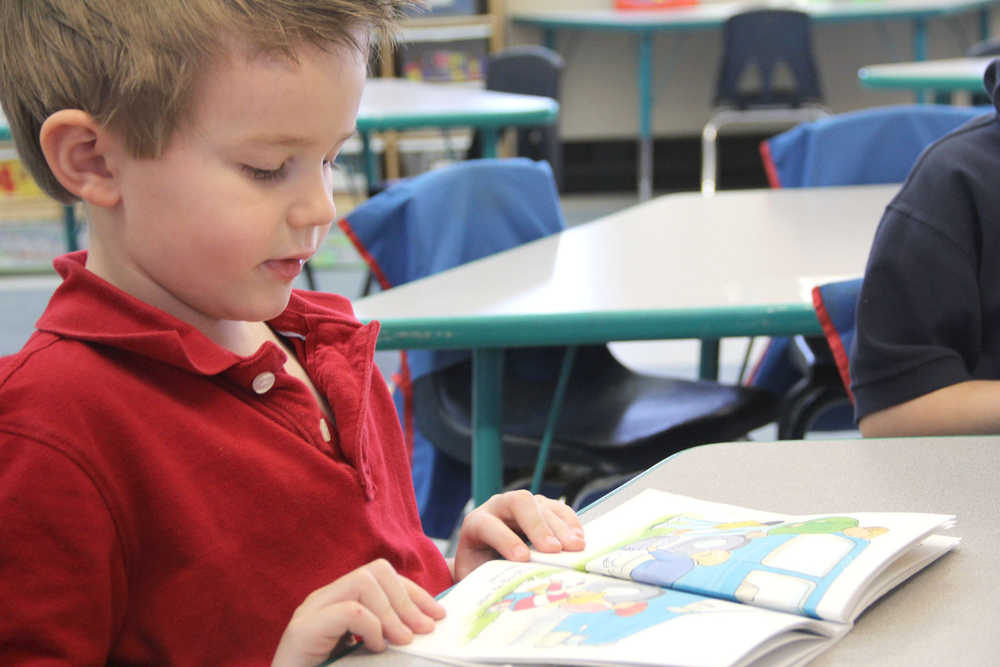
x: 671, y: 580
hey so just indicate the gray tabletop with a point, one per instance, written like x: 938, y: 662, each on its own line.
x: 945, y: 614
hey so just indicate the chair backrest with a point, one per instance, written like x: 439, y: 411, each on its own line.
x: 529, y: 70
x: 447, y: 217
x: 770, y: 40
x: 987, y: 47
x: 836, y: 305
x: 877, y: 145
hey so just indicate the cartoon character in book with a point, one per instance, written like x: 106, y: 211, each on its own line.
x: 620, y: 612
x: 536, y: 595
x: 791, y: 567
x: 674, y: 556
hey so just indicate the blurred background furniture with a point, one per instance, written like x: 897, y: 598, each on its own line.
x: 606, y: 419
x: 528, y: 70
x: 768, y: 43
x: 878, y: 145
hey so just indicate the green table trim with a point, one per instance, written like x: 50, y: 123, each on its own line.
x: 870, y: 77
x: 472, y: 332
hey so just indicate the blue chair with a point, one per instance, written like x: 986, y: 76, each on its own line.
x: 878, y: 145
x: 614, y: 421
x: 824, y: 390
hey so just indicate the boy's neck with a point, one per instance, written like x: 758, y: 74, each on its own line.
x: 243, y: 338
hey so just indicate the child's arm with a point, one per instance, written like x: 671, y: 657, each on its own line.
x: 373, y: 602
x: 965, y: 408
x: 497, y: 525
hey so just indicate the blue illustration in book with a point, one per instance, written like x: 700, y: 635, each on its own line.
x: 781, y: 565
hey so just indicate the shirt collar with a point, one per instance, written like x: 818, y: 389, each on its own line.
x: 88, y: 308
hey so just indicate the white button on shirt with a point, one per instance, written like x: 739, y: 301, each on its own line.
x: 324, y: 429
x: 263, y: 382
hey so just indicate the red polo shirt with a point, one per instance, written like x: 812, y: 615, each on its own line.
x: 166, y: 501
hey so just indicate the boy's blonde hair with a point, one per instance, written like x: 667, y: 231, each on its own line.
x: 134, y: 64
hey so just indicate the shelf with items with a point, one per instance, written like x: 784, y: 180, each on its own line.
x: 453, y: 39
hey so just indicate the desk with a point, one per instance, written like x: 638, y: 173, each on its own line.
x: 944, y: 75
x: 737, y: 263
x: 945, y: 613
x: 401, y: 104
x: 644, y: 24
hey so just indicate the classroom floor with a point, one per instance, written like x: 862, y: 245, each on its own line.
x: 23, y: 298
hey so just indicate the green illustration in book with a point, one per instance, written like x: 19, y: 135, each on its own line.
x: 781, y: 565
x: 551, y: 608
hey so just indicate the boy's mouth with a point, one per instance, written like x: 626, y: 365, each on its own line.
x: 287, y: 269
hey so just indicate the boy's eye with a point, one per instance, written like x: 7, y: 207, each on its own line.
x: 264, y: 174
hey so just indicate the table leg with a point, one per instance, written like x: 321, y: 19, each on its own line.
x: 565, y: 370
x: 920, y: 49
x: 487, y: 443
x: 491, y: 137
x: 709, y: 367
x: 371, y: 171
x: 549, y: 38
x: 645, y: 82
x: 69, y: 225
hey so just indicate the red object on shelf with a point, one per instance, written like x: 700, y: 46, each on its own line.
x: 654, y: 4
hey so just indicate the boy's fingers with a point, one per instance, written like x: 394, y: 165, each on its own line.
x: 565, y: 524
x: 424, y: 601
x: 550, y: 525
x: 388, y: 596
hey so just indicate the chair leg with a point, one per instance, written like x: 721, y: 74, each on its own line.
x: 805, y: 402
x: 709, y: 173
x: 310, y: 277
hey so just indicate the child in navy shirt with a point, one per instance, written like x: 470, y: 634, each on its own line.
x: 926, y: 355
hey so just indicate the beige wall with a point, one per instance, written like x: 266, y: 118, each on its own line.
x: 599, y: 85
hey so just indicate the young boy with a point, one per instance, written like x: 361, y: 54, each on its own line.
x: 188, y: 447
x: 926, y: 357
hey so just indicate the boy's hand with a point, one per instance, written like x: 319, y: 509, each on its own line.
x: 496, y: 525
x: 373, y: 602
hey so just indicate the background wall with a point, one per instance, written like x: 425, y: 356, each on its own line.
x: 599, y: 89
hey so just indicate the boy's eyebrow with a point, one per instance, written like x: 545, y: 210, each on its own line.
x: 292, y: 140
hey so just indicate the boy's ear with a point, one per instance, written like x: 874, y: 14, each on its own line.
x: 80, y: 153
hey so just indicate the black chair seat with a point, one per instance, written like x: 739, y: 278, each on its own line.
x: 614, y: 420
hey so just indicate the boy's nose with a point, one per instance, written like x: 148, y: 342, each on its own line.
x: 315, y: 205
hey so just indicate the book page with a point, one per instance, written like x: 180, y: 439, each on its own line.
x: 532, y: 613
x: 816, y: 565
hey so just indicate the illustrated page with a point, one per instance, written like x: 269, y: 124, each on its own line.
x: 815, y: 565
x: 527, y: 612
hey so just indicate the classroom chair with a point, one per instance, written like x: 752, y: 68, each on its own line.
x: 823, y: 363
x: 776, y: 44
x: 528, y: 70
x: 877, y: 145
x: 613, y: 420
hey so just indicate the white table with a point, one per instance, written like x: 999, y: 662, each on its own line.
x: 947, y: 74
x: 738, y: 263
x: 644, y: 24
x: 401, y: 104
x: 944, y: 615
